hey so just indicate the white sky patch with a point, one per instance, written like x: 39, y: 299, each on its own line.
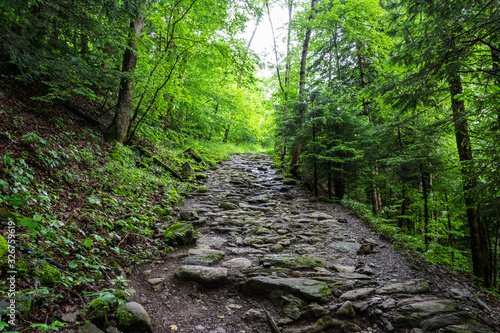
x: 262, y: 42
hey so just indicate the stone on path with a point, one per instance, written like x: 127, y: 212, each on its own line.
x: 291, y: 261
x: 204, y: 251
x: 345, y: 247
x: 89, y: 328
x: 205, y: 259
x: 346, y: 310
x: 132, y: 317
x: 411, y: 287
x: 207, y: 276
x: 215, y: 241
x: 239, y: 263
x: 357, y: 294
x: 273, y: 288
x: 412, y: 315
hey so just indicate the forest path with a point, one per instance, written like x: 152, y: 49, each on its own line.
x: 272, y: 258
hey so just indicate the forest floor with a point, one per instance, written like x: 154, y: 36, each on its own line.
x: 272, y: 258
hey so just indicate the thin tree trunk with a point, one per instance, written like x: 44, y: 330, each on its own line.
x: 119, y: 127
x: 423, y: 177
x: 302, y: 85
x: 213, y: 123
x: 450, y: 234
x: 479, y: 249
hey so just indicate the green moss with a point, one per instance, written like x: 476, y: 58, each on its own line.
x: 24, y: 305
x: 49, y: 275
x: 4, y: 247
x: 125, y: 318
x: 200, y: 176
x: 141, y: 165
x: 289, y: 181
x: 22, y: 267
x: 292, y: 261
x: 202, y: 189
x: 160, y: 211
x: 98, y: 311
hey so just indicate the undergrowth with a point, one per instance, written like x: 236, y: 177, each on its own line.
x: 86, y: 212
x: 433, y: 252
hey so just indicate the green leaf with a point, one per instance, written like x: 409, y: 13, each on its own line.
x: 88, y: 242
x: 29, y: 223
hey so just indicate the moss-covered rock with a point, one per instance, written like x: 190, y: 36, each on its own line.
x: 289, y: 181
x: 98, y: 311
x: 132, y: 317
x: 48, y: 275
x: 291, y: 261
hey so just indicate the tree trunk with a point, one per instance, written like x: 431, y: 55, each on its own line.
x: 119, y: 127
x: 213, y: 123
x: 479, y: 249
x: 226, y: 133
x: 302, y: 84
x: 423, y: 177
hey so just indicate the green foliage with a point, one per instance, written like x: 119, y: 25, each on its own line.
x: 32, y: 138
x: 179, y: 234
x: 48, y: 275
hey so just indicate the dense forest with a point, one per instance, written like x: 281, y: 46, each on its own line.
x: 390, y: 108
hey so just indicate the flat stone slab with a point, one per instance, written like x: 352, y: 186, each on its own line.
x: 357, y: 294
x: 353, y: 276
x: 319, y: 216
x: 273, y: 288
x: 205, y: 259
x: 291, y: 261
x: 239, y: 263
x: 411, y: 287
x: 207, y: 276
x: 345, y: 247
x: 412, y: 315
x: 343, y: 269
x: 204, y: 251
x: 216, y: 242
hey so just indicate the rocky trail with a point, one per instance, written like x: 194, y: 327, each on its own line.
x: 271, y: 258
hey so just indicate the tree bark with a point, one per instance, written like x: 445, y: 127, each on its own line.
x: 213, y: 123
x: 302, y: 84
x: 119, y: 127
x: 479, y: 249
